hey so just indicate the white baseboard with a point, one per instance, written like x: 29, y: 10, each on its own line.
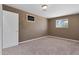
x: 32, y: 39
x: 65, y: 38
x: 49, y: 36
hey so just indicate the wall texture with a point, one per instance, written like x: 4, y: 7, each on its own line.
x: 29, y: 30
x: 71, y: 32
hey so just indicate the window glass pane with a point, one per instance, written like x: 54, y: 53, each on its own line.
x: 62, y: 23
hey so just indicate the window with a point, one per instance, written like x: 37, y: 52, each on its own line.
x: 30, y: 18
x: 62, y: 23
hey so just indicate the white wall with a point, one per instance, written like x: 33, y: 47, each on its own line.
x: 1, y: 28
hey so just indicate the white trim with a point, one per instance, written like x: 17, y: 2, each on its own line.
x: 32, y: 39
x: 49, y: 36
x: 64, y: 38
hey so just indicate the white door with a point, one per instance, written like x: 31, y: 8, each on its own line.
x: 10, y: 29
x: 1, y: 29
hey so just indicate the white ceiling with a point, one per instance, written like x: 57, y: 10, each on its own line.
x: 53, y: 10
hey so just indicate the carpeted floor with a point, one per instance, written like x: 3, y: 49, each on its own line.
x: 45, y: 46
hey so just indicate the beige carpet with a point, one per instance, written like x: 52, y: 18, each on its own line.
x: 45, y: 46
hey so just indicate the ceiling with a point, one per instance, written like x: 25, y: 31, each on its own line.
x: 53, y: 10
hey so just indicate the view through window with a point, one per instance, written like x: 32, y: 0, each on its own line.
x: 62, y: 23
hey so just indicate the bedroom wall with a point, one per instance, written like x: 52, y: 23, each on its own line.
x: 71, y: 32
x: 29, y: 30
